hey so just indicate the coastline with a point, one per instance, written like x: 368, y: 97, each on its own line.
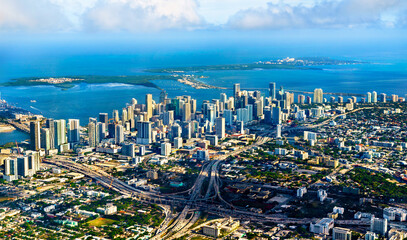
x: 5, y: 128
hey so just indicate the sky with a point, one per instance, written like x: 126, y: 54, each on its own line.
x: 145, y: 16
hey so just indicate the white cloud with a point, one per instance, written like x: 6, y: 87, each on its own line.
x: 36, y: 15
x: 143, y: 15
x: 323, y: 14
x: 156, y: 15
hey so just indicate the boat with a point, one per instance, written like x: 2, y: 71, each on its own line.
x: 33, y: 101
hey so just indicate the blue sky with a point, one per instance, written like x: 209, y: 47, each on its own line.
x: 145, y: 16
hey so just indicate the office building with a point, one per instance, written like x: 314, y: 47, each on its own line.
x: 272, y: 89
x: 92, y: 134
x: 60, y: 132
x: 73, y: 131
x: 322, y: 226
x: 149, y: 106
x: 165, y: 149
x: 45, y: 139
x: 35, y: 137
x: 339, y: 233
x: 144, y: 135
x: 10, y: 170
x: 49, y: 123
x: 379, y: 225
x: 236, y: 90
x: 104, y: 118
x: 220, y: 128
x: 119, y: 134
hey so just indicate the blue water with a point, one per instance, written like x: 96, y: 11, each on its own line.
x: 386, y: 71
x: 13, y: 137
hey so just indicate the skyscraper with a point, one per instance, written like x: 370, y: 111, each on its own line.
x: 318, y: 95
x: 149, y: 106
x: 45, y: 139
x: 104, y: 118
x: 220, y: 127
x: 73, y: 131
x: 92, y: 134
x: 60, y: 132
x: 369, y: 97
x: 35, y: 137
x: 374, y: 97
x: 144, y: 135
x: 116, y: 116
x: 276, y: 115
x: 101, y: 132
x: 272, y: 88
x: 186, y: 112
x: 236, y: 90
x: 51, y: 126
x: 119, y: 135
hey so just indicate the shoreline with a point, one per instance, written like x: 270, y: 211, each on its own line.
x: 5, y: 128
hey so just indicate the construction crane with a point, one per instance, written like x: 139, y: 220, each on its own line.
x: 18, y: 149
x: 111, y: 182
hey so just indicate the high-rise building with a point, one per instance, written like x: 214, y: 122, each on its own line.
x: 22, y: 166
x: 101, y: 129
x: 119, y: 134
x: 220, y: 127
x: 369, y: 97
x: 186, y: 112
x: 379, y: 225
x: 103, y: 118
x: 10, y: 170
x: 276, y: 115
x: 165, y: 149
x: 60, y: 132
x: 228, y: 115
x: 383, y: 97
x: 116, y: 116
x: 92, y: 134
x: 144, y: 135
x: 35, y: 137
x: 49, y: 123
x: 45, y: 139
x: 73, y: 131
x: 272, y: 88
x: 278, y: 131
x: 341, y: 234
x: 149, y: 106
x: 236, y: 90
x: 374, y: 97
x: 318, y: 95
x: 168, y: 118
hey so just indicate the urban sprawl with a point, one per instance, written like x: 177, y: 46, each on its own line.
x: 247, y: 166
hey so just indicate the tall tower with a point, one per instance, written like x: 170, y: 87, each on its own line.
x: 73, y: 134
x: 272, y: 86
x: 236, y: 90
x: 35, y: 137
x: 318, y: 95
x: 149, y: 105
x: 92, y: 134
x: 51, y: 126
x: 220, y: 127
x: 103, y: 117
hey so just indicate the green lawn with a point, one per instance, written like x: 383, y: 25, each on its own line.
x: 101, y: 222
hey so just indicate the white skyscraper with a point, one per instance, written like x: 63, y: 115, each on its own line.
x: 278, y: 131
x: 220, y: 127
x: 374, y: 97
x: 368, y: 97
x: 318, y: 95
x: 165, y: 149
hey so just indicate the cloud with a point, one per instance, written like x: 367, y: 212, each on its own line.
x: 98, y: 15
x: 143, y: 15
x: 35, y: 15
x: 323, y: 14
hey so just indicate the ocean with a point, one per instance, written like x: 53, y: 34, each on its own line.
x: 384, y: 71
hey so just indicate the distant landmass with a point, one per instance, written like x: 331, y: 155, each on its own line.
x: 177, y: 73
x: 286, y: 63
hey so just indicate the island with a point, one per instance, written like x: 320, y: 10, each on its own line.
x: 181, y: 74
x: 286, y: 63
